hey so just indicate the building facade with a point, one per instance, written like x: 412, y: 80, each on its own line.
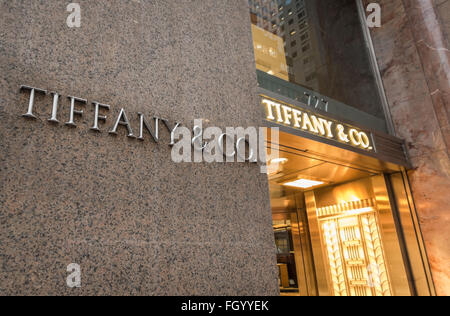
x: 355, y: 202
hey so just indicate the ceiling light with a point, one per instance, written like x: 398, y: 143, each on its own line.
x: 303, y: 183
x: 279, y: 160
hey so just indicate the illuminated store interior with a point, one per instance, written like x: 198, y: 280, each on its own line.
x: 334, y: 223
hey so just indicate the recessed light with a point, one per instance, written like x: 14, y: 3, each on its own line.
x: 279, y: 160
x: 303, y: 183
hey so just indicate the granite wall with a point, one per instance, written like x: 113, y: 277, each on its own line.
x: 135, y: 222
x: 412, y: 49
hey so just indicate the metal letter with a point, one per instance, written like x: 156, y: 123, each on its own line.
x: 33, y: 90
x: 144, y: 123
x: 123, y: 122
x: 326, y: 104
x: 171, y: 131
x: 73, y: 111
x: 54, y: 118
x: 309, y: 97
x: 97, y: 116
x: 317, y: 102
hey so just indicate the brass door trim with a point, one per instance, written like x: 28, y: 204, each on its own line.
x: 394, y: 254
x: 414, y: 244
x: 305, y: 243
x: 322, y: 277
x: 298, y: 255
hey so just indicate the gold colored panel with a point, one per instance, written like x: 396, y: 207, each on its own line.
x: 335, y: 259
x: 395, y: 261
x: 305, y: 242
x: 298, y: 255
x: 284, y: 277
x: 328, y: 153
x: 356, y: 259
x: 354, y: 240
x: 316, y: 244
x: 345, y: 193
x: 413, y: 238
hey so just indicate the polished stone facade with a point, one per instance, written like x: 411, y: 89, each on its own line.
x: 136, y: 222
x: 412, y: 49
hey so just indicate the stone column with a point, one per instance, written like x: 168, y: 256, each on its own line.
x: 136, y: 222
x: 412, y: 49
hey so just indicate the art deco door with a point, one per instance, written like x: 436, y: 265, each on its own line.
x: 353, y: 249
x: 354, y: 241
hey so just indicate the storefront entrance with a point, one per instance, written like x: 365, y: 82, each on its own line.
x: 335, y: 223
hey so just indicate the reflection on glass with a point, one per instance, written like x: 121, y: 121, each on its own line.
x: 269, y: 53
x: 324, y: 47
x: 285, y: 223
x: 285, y: 256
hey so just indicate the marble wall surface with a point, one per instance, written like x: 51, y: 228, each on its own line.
x: 412, y: 49
x: 136, y: 222
x: 442, y: 8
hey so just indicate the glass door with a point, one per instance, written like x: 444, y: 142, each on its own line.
x: 286, y: 227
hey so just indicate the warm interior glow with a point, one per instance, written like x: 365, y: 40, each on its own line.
x: 269, y: 51
x: 303, y: 183
x: 354, y: 249
x: 279, y: 160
